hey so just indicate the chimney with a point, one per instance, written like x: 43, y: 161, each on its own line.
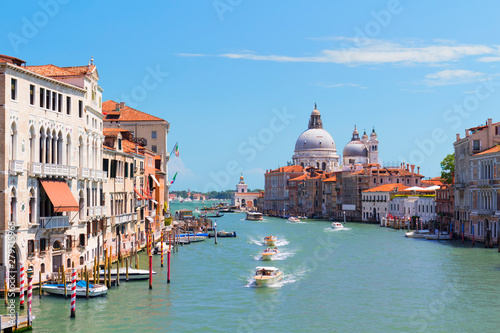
x: 412, y: 169
x: 117, y: 106
x: 418, y: 170
x: 407, y: 167
x: 467, y: 133
x: 458, y: 137
x: 489, y: 122
x: 122, y: 105
x: 136, y: 148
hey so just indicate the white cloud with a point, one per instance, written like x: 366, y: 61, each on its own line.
x: 354, y: 51
x: 453, y: 76
x: 177, y: 165
x: 489, y: 59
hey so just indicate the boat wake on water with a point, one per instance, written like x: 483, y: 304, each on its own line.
x: 279, y: 256
x: 288, y: 278
x: 329, y: 229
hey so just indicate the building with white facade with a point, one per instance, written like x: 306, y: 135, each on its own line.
x: 375, y: 201
x: 244, y: 199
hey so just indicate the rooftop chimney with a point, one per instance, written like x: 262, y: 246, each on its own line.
x: 458, y: 137
x: 122, y: 105
x: 418, y: 170
x: 412, y: 169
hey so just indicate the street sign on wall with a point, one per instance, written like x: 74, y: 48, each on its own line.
x: 348, y: 207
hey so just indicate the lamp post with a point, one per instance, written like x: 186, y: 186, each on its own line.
x: 344, y: 217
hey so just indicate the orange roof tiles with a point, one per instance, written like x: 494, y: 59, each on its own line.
x: 289, y: 168
x: 126, y: 113
x: 55, y: 71
x: 112, y: 131
x: 433, y: 181
x: 489, y: 151
x: 387, y: 188
x: 331, y: 179
x: 301, y: 177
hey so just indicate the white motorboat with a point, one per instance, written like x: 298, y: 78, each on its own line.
x: 270, y: 240
x: 254, y: 216
x: 293, y: 219
x: 81, y: 289
x: 267, y: 275
x: 133, y: 274
x: 417, y: 233
x: 157, y: 249
x: 337, y: 225
x: 439, y: 236
x: 269, y: 253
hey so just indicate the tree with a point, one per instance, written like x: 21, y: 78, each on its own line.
x: 448, y: 168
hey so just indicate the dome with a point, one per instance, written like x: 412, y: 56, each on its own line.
x: 315, y: 112
x: 373, y: 135
x: 315, y: 138
x: 355, y: 148
x: 364, y: 138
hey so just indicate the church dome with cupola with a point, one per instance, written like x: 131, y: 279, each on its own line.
x: 315, y: 146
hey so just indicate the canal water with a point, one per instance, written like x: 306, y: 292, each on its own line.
x: 361, y: 279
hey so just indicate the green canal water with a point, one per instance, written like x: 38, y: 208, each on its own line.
x: 362, y: 279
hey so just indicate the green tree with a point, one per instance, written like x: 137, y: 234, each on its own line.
x: 448, y: 168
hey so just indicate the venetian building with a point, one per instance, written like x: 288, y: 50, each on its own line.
x: 315, y: 146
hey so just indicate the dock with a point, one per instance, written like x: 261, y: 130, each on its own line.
x: 9, y: 323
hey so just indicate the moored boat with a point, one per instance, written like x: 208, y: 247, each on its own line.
x: 439, y: 236
x: 270, y: 240
x: 133, y: 274
x: 417, y: 233
x: 269, y: 253
x: 293, y: 219
x: 81, y: 289
x: 223, y: 234
x: 254, y: 216
x: 267, y: 275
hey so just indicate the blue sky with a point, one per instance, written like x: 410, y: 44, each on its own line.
x: 238, y: 79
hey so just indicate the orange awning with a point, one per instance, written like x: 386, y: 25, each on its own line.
x: 138, y: 194
x: 60, y: 195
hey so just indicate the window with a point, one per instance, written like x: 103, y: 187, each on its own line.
x: 476, y: 145
x: 112, y: 173
x: 42, y: 97
x: 59, y: 102
x: 80, y: 109
x: 69, y: 243
x: 31, y: 246
x: 68, y: 105
x: 32, y: 94
x: 13, y: 89
x: 119, y: 144
x: 47, y: 99
x: 105, y: 165
x: 154, y: 149
x: 43, y: 244
x: 131, y: 171
x: 82, y: 240
x: 126, y: 170
x: 153, y: 134
x: 54, y: 100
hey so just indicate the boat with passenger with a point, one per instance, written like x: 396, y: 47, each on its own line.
x: 81, y: 289
x: 255, y: 216
x: 267, y: 275
x: 270, y: 240
x: 293, y: 219
x: 269, y: 253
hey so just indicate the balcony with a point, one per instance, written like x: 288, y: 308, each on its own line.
x: 52, y: 222
x: 119, y: 180
x: 485, y: 182
x: 87, y: 173
x: 15, y: 167
x: 485, y: 211
x: 120, y: 219
x: 460, y: 186
x: 152, y: 213
x: 83, y: 173
x: 46, y: 169
x: 96, y: 211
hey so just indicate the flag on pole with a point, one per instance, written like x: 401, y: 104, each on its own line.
x: 173, y: 179
x: 175, y: 150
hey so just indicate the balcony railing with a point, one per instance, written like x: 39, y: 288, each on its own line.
x: 485, y: 211
x: 484, y: 182
x: 120, y: 219
x: 96, y: 211
x: 15, y: 166
x: 46, y: 169
x: 87, y: 173
x: 51, y: 222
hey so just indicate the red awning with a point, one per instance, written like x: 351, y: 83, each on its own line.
x: 138, y: 194
x: 60, y: 195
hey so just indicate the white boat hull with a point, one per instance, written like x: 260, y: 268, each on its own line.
x: 417, y: 234
x: 97, y: 290
x: 133, y: 274
x: 269, y: 255
x: 438, y: 237
x: 268, y: 280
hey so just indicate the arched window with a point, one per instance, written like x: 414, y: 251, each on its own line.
x: 13, y: 141
x: 68, y: 150
x: 42, y: 146
x: 80, y: 152
x: 32, y: 206
x: 48, y: 149
x: 81, y: 204
x: 317, y: 165
x: 57, y: 245
x: 32, y: 144
x: 323, y: 166
x: 54, y: 147
x: 13, y: 206
x: 302, y: 164
x: 60, y: 148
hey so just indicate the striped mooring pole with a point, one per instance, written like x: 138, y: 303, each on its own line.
x: 73, y: 292
x: 161, y: 248
x: 29, y: 272
x: 21, y: 287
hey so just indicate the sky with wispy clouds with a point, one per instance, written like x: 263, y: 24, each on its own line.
x: 238, y: 79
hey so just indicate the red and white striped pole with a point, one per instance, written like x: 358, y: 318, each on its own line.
x: 73, y: 292
x: 21, y: 287
x: 161, y: 248
x: 150, y: 263
x: 29, y: 272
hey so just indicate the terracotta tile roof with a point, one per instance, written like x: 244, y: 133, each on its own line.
x: 331, y: 179
x: 301, y: 177
x: 55, y: 71
x: 387, y: 188
x: 289, y: 168
x: 107, y: 147
x: 125, y: 114
x: 11, y: 60
x: 489, y: 151
x: 433, y: 181
x: 248, y: 193
x: 112, y: 131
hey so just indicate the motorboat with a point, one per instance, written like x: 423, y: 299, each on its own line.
x: 337, y: 225
x: 254, y: 216
x: 417, y: 233
x: 133, y: 274
x: 157, y: 249
x: 267, y: 275
x: 215, y: 216
x: 223, y: 234
x: 81, y: 289
x: 439, y: 236
x: 293, y: 219
x: 270, y: 240
x: 269, y: 253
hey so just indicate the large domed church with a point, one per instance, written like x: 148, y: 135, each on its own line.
x: 315, y: 147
